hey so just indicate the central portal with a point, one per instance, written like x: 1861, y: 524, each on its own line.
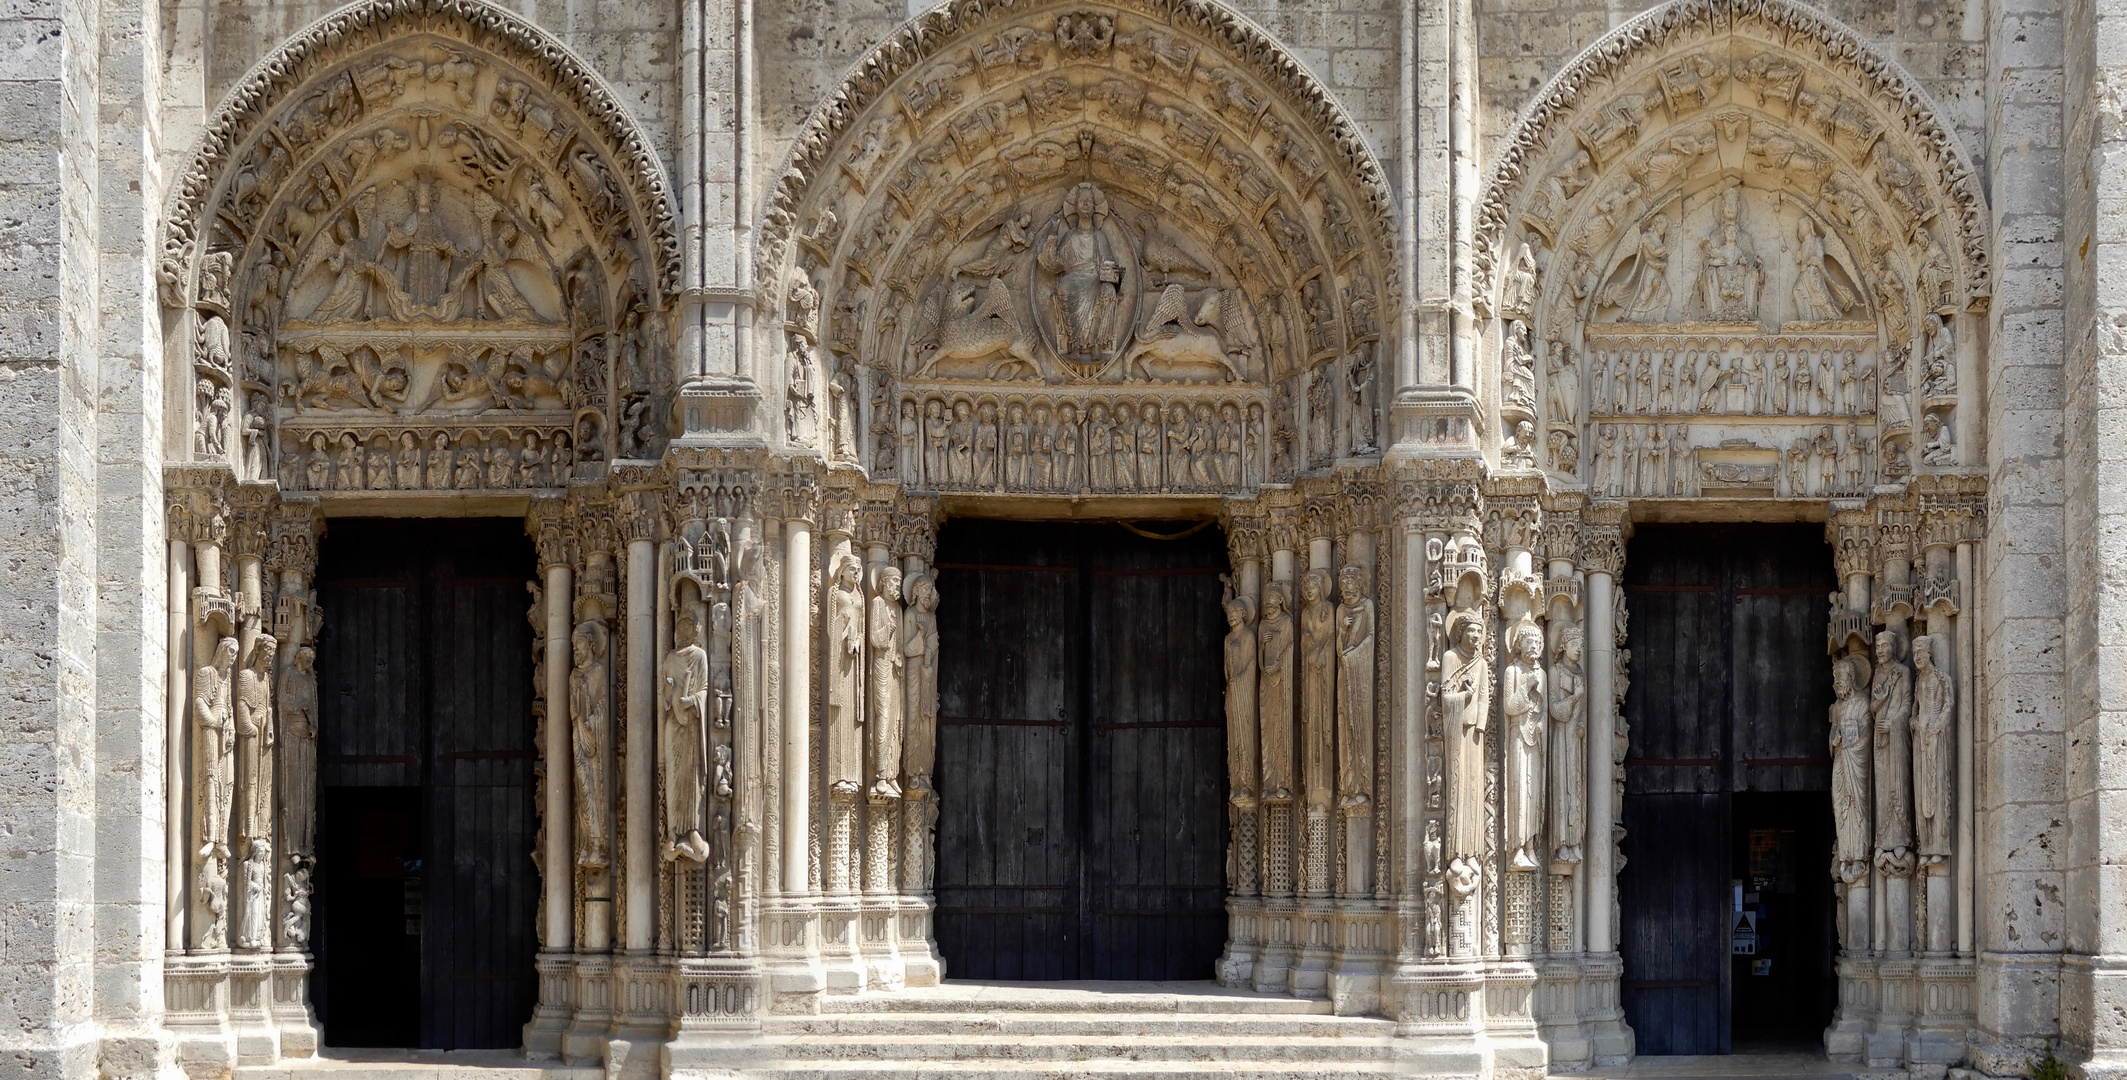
x: 1081, y: 751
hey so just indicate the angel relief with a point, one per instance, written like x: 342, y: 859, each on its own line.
x: 421, y: 294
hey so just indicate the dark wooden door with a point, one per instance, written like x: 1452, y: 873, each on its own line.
x: 1730, y: 683
x: 425, y: 910
x: 1081, y: 752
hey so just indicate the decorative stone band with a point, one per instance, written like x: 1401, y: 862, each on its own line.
x: 1085, y: 443
x: 526, y: 456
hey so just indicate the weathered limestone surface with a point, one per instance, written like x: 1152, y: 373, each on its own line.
x: 736, y: 301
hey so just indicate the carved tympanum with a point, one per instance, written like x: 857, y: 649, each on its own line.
x: 426, y: 245
x: 1071, y: 222
x: 1728, y: 250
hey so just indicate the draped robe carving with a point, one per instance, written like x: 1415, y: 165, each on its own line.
x: 844, y: 752
x: 684, y: 740
x: 1465, y: 713
x: 1569, y: 743
x: 1853, y: 782
x: 1240, y: 664
x: 887, y: 664
x: 591, y: 726
x: 1934, y: 755
x: 1318, y: 672
x: 1274, y: 657
x: 919, y: 643
x: 1522, y: 711
x: 1355, y: 691
x: 1891, y: 705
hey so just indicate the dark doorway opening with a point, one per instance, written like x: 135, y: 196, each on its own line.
x: 1081, y: 751
x: 1725, y: 895
x: 427, y: 893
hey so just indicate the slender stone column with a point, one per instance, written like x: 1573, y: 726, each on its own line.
x: 1968, y: 624
x: 558, y: 863
x: 180, y: 791
x: 1275, y: 697
x: 641, y: 780
x: 1601, y: 878
x: 797, y: 706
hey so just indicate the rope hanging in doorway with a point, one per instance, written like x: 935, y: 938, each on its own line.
x: 1150, y: 535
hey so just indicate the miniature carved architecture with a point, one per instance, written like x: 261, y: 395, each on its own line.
x: 736, y: 347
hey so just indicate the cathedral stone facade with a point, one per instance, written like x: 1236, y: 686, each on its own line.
x: 1443, y: 314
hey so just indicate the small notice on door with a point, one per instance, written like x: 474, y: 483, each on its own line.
x: 1743, y: 941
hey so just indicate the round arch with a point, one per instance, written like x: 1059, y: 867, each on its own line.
x: 1615, y: 66
x: 421, y: 248
x: 1734, y: 254
x: 1012, y: 222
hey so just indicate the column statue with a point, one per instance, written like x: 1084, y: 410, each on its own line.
x: 844, y: 751
x: 1891, y: 705
x: 213, y: 748
x: 1241, y: 696
x: 1465, y: 712
x: 887, y: 665
x: 1355, y: 691
x: 919, y: 643
x: 1569, y: 742
x: 1522, y: 709
x: 1274, y: 690
x: 591, y: 728
x: 684, y: 737
x: 299, y: 753
x: 1318, y: 674
x: 254, y: 746
x: 1934, y: 752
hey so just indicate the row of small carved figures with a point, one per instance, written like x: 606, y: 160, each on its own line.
x: 1775, y: 383
x: 1624, y: 460
x: 506, y: 459
x: 1125, y: 446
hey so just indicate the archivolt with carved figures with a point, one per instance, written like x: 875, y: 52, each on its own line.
x: 1742, y: 258
x: 1071, y: 248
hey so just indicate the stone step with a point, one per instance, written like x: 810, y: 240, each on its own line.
x: 1084, y: 1025
x: 1041, y: 1070
x: 1079, y: 997
x: 1136, y: 1048
x: 339, y: 1064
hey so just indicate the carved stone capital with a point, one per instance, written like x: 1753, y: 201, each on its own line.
x: 1514, y: 522
x: 1561, y: 539
x: 838, y: 512
x: 1244, y: 540
x: 1852, y: 534
x: 641, y: 513
x: 547, y: 524
x: 915, y: 531
x: 1602, y: 541
x: 294, y: 544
